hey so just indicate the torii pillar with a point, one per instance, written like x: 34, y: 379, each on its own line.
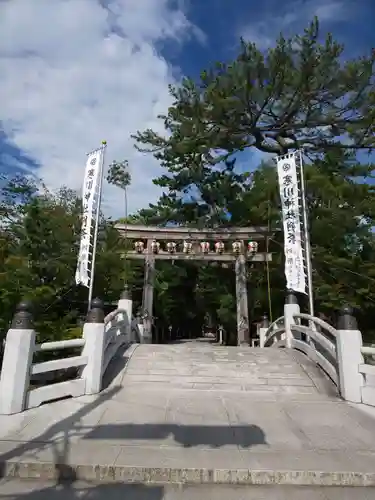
x: 241, y: 297
x: 148, y: 293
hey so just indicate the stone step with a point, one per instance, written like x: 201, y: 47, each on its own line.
x: 188, y: 466
x: 15, y: 490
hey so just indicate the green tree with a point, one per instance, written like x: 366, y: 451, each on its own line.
x: 299, y: 94
x: 119, y: 176
x: 39, y: 241
x: 341, y: 204
x: 42, y: 233
x: 201, y: 197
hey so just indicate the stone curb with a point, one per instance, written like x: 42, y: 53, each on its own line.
x: 168, y: 475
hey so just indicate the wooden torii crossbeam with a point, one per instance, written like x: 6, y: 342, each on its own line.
x: 190, y: 244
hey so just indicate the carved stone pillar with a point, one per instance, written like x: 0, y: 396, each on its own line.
x: 241, y: 297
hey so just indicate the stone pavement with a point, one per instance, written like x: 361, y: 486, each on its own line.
x: 80, y: 490
x: 198, y: 413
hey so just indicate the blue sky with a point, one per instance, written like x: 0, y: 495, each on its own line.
x: 223, y: 22
x: 74, y: 72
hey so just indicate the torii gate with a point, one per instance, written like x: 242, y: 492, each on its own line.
x: 186, y: 243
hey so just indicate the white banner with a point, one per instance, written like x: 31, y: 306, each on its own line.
x: 89, y: 202
x: 290, y: 205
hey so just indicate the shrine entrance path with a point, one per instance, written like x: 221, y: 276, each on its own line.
x: 197, y: 412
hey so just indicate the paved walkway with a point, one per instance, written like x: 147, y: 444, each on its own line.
x: 200, y: 413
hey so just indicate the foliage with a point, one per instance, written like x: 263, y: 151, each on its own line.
x: 341, y: 205
x: 301, y: 93
x: 39, y: 240
x: 119, y: 175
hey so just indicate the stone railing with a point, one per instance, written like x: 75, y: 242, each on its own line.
x: 367, y: 370
x: 339, y: 352
x: 101, y: 338
x: 319, y: 346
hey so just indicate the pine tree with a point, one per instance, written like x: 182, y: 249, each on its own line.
x: 299, y: 94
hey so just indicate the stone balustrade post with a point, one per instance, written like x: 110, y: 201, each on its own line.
x: 94, y: 335
x: 126, y: 303
x: 263, y: 327
x: 291, y: 307
x: 18, y: 356
x: 349, y: 356
x: 141, y: 328
x: 221, y: 337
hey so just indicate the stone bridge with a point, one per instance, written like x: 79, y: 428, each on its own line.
x: 194, y: 412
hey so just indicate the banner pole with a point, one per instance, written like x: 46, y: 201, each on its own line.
x: 306, y: 238
x: 97, y: 218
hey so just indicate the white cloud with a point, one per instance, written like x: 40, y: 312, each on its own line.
x: 294, y: 15
x: 75, y: 72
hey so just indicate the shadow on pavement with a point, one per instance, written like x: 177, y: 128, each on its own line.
x: 64, y: 490
x: 66, y: 487
x: 57, y: 438
x: 215, y: 436
x: 69, y: 426
x: 116, y: 366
